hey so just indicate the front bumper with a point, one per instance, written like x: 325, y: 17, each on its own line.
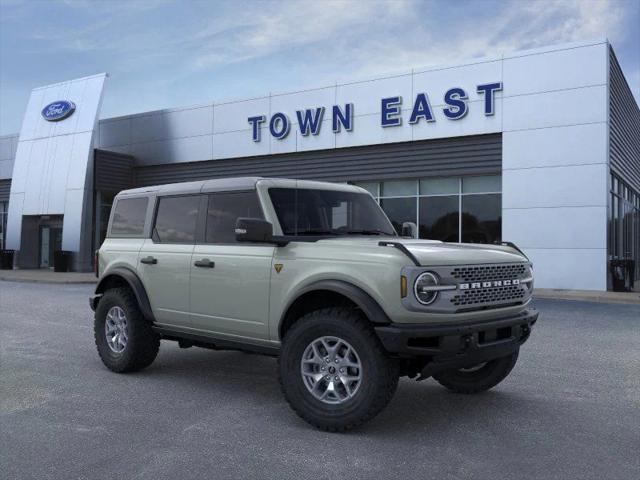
x: 448, y: 347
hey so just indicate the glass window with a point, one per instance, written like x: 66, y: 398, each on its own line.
x: 371, y: 187
x: 486, y: 184
x: 176, y: 219
x: 129, y: 216
x: 327, y: 212
x: 223, y: 212
x: 482, y: 218
x: 439, y: 218
x: 399, y: 188
x: 435, y: 206
x: 439, y: 186
x: 399, y: 210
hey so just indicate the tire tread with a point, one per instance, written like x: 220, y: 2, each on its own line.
x: 145, y: 342
x: 388, y: 382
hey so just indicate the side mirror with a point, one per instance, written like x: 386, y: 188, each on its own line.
x: 254, y: 230
x: 409, y: 229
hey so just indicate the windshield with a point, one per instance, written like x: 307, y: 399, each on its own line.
x: 308, y: 211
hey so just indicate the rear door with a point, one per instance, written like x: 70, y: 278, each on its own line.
x: 165, y: 259
x: 230, y: 280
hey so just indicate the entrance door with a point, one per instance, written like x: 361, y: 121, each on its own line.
x: 50, y: 241
x: 45, y: 242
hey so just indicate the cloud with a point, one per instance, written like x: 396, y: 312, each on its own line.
x: 515, y: 26
x: 273, y: 30
x: 342, y: 40
x: 201, y: 50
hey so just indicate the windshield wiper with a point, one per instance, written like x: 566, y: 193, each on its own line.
x: 315, y: 232
x: 343, y: 232
x: 367, y: 232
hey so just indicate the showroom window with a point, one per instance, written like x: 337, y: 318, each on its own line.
x: 451, y: 209
x: 624, y: 226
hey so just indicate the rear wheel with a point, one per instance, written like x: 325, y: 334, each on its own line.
x: 477, y: 378
x: 125, y: 340
x: 333, y: 370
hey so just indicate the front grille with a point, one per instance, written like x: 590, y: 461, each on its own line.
x: 479, y: 273
x: 490, y: 295
x: 484, y: 285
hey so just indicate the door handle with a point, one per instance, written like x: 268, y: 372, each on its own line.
x: 149, y: 260
x: 205, y: 263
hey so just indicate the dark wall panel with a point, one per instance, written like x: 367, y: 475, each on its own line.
x: 113, y: 171
x: 478, y: 154
x: 5, y: 189
x: 624, y: 127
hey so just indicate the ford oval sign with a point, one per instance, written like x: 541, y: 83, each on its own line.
x: 56, y: 111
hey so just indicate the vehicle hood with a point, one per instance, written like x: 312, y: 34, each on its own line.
x: 432, y: 252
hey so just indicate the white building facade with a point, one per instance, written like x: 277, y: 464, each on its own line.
x: 540, y: 148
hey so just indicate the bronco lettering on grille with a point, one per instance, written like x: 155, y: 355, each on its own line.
x: 495, y: 283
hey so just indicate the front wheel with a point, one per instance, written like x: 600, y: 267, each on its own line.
x: 333, y: 371
x: 477, y: 378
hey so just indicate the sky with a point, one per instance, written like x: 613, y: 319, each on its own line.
x: 162, y: 53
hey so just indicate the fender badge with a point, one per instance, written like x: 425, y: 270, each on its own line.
x: 278, y: 267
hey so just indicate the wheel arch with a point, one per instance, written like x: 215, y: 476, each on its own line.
x: 122, y: 276
x: 330, y: 293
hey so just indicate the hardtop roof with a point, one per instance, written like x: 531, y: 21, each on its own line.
x: 228, y: 184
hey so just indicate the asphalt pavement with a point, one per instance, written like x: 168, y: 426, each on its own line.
x: 570, y: 409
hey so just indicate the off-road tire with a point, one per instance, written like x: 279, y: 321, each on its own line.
x: 379, y: 372
x: 479, y: 380
x: 142, y: 344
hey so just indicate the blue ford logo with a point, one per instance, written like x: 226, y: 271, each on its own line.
x: 56, y: 111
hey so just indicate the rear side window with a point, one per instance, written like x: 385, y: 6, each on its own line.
x: 223, y: 212
x: 128, y: 216
x: 176, y: 219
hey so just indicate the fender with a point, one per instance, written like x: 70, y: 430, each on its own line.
x: 362, y: 299
x: 134, y: 283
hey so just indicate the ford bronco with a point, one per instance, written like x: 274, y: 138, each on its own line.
x: 315, y: 274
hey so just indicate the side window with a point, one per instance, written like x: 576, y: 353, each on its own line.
x: 128, y: 216
x: 176, y: 219
x: 223, y: 212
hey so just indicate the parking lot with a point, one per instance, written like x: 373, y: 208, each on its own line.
x: 570, y: 409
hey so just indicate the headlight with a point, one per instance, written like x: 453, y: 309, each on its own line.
x: 425, y: 288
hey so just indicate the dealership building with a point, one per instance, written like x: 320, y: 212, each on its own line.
x: 540, y: 148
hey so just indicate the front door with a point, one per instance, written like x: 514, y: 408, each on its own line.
x: 50, y: 242
x: 164, y: 261
x: 45, y: 243
x: 229, y: 280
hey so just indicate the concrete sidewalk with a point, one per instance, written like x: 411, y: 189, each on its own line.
x: 588, y: 295
x: 45, y: 275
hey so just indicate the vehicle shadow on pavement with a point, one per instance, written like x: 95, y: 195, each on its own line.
x: 249, y: 379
